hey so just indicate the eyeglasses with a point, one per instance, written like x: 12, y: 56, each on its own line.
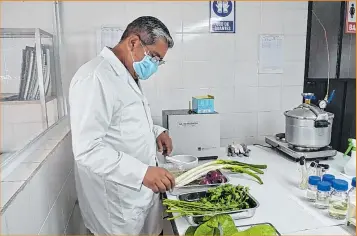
x: 154, y: 58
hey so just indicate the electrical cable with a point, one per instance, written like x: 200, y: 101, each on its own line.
x: 328, y: 54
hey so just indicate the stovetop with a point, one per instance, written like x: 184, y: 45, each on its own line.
x: 294, y: 153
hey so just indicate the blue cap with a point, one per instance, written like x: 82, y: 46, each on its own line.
x: 340, y: 185
x: 353, y: 182
x: 313, y: 180
x: 324, y: 186
x: 328, y: 178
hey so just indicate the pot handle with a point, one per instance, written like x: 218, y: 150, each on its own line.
x: 319, y: 115
x: 321, y: 123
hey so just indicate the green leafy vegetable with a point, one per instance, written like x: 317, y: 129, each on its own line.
x: 258, y: 230
x: 218, y: 200
x: 224, y: 225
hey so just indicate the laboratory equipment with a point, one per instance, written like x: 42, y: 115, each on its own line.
x: 307, y: 132
x: 322, y: 196
x: 351, y: 214
x: 193, y: 134
x: 278, y: 142
x: 312, y: 169
x: 303, y: 174
x: 312, y: 188
x: 350, y: 167
x: 308, y: 127
x: 338, y: 202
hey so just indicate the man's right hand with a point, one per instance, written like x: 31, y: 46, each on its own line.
x: 158, y: 179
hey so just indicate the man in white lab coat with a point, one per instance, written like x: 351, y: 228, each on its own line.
x: 114, y: 139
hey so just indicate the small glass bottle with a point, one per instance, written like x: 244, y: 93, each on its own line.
x: 323, y: 194
x: 338, y: 199
x: 312, y: 169
x: 351, y: 214
x: 312, y: 188
x: 303, y: 174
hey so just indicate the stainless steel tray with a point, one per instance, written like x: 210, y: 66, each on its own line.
x: 197, y: 187
x: 245, y: 227
x: 236, y: 215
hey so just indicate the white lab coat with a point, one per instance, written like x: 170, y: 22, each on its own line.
x: 114, y: 142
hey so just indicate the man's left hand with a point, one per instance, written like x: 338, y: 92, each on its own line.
x: 164, y: 144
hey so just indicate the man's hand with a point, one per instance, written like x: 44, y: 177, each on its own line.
x: 158, y: 179
x: 164, y: 144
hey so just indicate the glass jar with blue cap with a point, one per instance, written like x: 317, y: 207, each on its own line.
x: 351, y: 215
x: 338, y: 202
x: 312, y: 188
x: 328, y: 178
x: 323, y: 194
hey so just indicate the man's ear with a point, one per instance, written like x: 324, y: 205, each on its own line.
x: 133, y: 41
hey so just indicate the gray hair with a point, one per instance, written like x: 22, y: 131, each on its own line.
x: 150, y: 30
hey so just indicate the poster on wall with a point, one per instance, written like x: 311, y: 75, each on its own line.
x: 222, y: 17
x: 271, y: 54
x: 108, y: 36
x: 350, y: 17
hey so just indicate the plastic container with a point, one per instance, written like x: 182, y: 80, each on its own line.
x: 203, y: 104
x: 323, y: 195
x: 351, y: 214
x: 338, y: 202
x: 312, y: 188
x: 350, y: 167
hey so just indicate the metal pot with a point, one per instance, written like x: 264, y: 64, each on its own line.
x: 307, y: 126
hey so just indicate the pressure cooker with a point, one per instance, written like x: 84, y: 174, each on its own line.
x: 308, y: 126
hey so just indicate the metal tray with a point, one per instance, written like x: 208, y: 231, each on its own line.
x: 236, y: 215
x: 197, y: 187
x: 245, y: 227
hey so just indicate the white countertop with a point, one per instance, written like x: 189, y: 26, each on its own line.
x: 282, y: 203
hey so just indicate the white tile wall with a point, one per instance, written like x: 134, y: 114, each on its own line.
x: 44, y: 203
x: 224, y: 65
x: 22, y: 121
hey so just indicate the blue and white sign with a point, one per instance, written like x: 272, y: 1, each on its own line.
x: 222, y: 16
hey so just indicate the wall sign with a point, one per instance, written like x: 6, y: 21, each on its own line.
x: 271, y: 54
x: 222, y: 16
x: 350, y: 17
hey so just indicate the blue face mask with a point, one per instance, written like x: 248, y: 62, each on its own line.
x: 146, y: 67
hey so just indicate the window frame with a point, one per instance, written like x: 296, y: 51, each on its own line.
x: 62, y: 111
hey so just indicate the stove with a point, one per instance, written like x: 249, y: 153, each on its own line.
x: 295, y: 153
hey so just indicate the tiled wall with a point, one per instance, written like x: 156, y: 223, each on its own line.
x: 225, y: 65
x: 46, y: 201
x: 22, y: 121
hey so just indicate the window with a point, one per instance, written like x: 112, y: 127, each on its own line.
x: 31, y: 90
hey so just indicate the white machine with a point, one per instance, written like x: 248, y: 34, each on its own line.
x: 193, y: 134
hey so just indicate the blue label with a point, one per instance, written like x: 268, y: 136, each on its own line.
x: 223, y: 26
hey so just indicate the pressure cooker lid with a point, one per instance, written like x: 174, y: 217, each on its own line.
x: 309, y: 112
x: 301, y: 113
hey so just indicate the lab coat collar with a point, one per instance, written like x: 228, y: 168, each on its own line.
x: 120, y: 69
